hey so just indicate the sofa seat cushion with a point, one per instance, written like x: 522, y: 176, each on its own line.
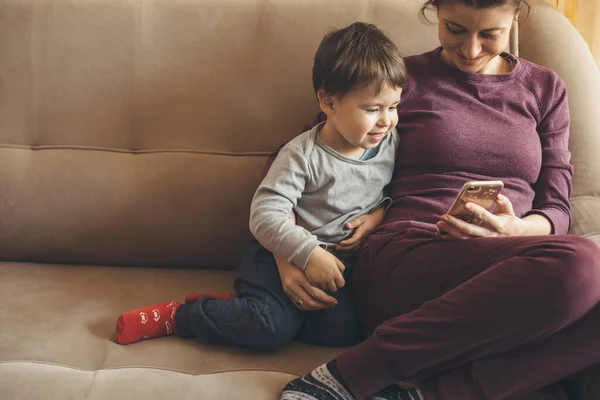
x: 28, y: 380
x: 66, y: 315
x: 57, y: 339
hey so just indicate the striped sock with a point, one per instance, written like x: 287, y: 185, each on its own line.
x: 323, y: 383
x: 396, y: 392
x: 326, y: 383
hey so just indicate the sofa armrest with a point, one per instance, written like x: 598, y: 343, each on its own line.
x: 548, y: 38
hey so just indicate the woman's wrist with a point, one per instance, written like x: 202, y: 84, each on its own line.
x: 534, y: 225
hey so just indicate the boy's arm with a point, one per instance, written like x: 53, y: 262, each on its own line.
x: 273, y: 202
x: 271, y: 160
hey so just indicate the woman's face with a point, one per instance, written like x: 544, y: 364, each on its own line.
x: 473, y: 38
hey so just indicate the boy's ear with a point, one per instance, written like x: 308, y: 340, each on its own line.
x: 325, y: 101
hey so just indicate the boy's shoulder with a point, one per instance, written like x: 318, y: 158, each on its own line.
x: 303, y: 143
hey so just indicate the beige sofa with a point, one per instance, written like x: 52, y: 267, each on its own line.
x: 132, y: 136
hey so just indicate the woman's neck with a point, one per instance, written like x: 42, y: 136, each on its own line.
x: 496, y: 66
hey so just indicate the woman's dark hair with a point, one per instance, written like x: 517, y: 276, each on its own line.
x: 433, y: 5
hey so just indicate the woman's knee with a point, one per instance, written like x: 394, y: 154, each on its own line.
x: 570, y: 267
x: 579, y: 262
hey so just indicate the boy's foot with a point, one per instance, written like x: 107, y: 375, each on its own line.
x: 147, y: 323
x: 326, y: 383
x: 192, y: 298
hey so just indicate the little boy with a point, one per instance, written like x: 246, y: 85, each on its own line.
x: 320, y: 182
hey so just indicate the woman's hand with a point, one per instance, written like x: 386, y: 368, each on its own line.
x: 503, y: 222
x: 362, y: 226
x: 297, y: 287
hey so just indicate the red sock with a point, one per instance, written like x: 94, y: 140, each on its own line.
x: 191, y: 298
x: 147, y: 323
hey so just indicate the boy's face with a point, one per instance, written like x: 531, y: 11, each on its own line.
x: 362, y: 117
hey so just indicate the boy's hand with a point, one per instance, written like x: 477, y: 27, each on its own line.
x: 324, y: 270
x: 362, y: 226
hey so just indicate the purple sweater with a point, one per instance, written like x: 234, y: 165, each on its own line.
x: 457, y: 126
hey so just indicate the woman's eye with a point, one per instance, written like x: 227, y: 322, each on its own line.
x: 486, y: 36
x: 453, y: 31
x: 372, y: 110
x: 392, y: 108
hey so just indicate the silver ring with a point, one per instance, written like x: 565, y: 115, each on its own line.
x: 300, y: 302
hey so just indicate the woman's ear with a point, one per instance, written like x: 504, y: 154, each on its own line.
x: 325, y: 101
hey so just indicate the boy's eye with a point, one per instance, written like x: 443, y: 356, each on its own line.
x: 393, y: 108
x: 372, y: 110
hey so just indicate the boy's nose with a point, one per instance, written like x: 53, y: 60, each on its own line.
x: 384, y: 120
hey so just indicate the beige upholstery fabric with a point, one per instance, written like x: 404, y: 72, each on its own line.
x: 133, y: 134
x: 66, y: 315
x: 58, y: 382
x: 57, y: 340
x: 547, y: 38
x: 150, y: 120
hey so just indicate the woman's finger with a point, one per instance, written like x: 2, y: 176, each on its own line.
x: 303, y: 300
x: 468, y: 230
x: 504, y: 205
x: 489, y: 220
x: 297, y: 287
x: 449, y: 231
x: 320, y: 297
x: 297, y: 299
x: 441, y: 232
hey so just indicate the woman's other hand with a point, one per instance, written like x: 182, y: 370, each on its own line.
x: 297, y: 287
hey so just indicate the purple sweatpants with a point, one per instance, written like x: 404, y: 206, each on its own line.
x: 474, y: 319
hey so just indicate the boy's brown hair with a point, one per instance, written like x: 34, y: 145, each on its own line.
x: 355, y: 57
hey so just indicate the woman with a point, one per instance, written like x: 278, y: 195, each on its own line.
x: 514, y: 306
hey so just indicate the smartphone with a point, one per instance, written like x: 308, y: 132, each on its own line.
x: 483, y: 193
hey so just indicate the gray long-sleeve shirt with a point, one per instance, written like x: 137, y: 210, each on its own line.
x: 325, y: 189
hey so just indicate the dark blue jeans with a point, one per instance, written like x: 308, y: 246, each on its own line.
x: 262, y: 317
